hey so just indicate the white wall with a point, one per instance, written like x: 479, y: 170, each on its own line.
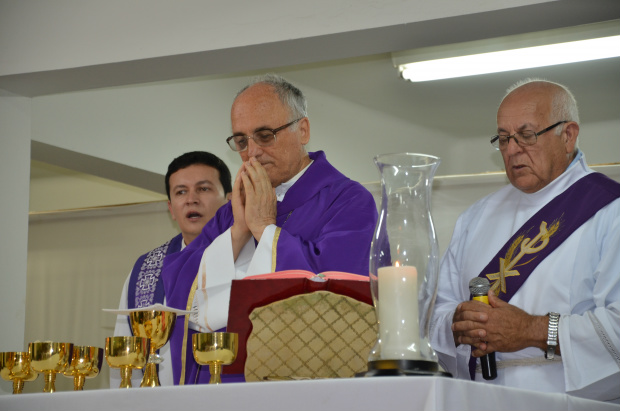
x: 14, y: 175
x: 55, y: 188
x: 153, y: 123
x: 147, y: 125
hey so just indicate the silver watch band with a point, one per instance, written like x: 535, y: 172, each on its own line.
x: 552, y: 335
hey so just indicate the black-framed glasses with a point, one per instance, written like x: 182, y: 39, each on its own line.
x: 263, y: 138
x: 525, y: 137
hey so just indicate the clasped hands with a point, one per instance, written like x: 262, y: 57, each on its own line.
x: 497, y: 326
x: 254, y: 204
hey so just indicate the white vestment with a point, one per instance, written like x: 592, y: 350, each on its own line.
x: 580, y: 280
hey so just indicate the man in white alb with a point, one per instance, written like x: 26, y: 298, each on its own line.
x: 548, y: 243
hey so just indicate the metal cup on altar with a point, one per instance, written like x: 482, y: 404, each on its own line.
x: 126, y: 353
x: 15, y: 366
x: 85, y: 363
x: 157, y: 327
x: 49, y: 358
x: 215, y: 349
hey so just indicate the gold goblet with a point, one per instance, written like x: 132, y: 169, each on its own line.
x: 49, y: 358
x: 126, y: 353
x: 216, y: 350
x: 156, y: 326
x: 85, y: 363
x: 15, y: 366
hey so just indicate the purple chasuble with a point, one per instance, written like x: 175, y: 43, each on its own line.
x: 543, y: 233
x: 327, y: 222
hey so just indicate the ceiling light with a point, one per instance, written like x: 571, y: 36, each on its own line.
x: 552, y: 47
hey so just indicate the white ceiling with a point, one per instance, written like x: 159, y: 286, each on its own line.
x: 467, y: 102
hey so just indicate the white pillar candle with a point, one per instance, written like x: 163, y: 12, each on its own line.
x: 399, y: 328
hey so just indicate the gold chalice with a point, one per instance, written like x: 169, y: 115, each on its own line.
x: 49, y: 358
x: 85, y: 363
x: 216, y: 350
x: 126, y: 353
x: 15, y: 366
x: 157, y: 327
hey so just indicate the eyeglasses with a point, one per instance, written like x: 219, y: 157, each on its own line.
x: 526, y: 137
x: 263, y: 138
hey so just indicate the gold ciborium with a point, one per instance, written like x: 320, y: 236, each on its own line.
x: 126, y: 353
x: 157, y: 327
x: 49, y: 358
x: 85, y: 363
x: 15, y: 366
x: 216, y: 350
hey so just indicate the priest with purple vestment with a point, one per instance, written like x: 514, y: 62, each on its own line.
x: 290, y: 210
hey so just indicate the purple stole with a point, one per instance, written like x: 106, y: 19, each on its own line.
x: 543, y: 233
x: 145, y: 284
x: 319, y: 194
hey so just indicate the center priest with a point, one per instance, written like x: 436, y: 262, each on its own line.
x: 290, y: 210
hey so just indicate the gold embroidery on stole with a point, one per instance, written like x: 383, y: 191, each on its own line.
x: 527, y: 246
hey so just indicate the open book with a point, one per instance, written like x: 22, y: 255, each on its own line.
x: 328, y: 275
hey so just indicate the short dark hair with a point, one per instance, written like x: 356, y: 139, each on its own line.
x: 200, y: 157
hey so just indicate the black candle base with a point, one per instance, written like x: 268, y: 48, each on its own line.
x: 393, y: 368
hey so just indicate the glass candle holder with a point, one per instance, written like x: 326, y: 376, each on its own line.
x: 404, y: 265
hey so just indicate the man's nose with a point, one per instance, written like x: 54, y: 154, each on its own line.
x: 512, y: 146
x: 253, y: 148
x: 192, y: 197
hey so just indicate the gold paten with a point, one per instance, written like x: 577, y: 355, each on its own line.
x: 49, y: 358
x: 15, y: 366
x: 126, y: 353
x: 85, y: 363
x: 157, y: 327
x: 215, y: 349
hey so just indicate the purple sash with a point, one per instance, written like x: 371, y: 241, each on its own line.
x: 543, y: 233
x: 145, y: 285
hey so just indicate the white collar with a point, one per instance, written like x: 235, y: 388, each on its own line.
x: 283, y: 188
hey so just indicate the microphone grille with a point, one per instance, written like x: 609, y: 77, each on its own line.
x: 479, y: 286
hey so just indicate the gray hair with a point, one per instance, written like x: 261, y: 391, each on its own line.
x: 564, y: 104
x: 288, y: 94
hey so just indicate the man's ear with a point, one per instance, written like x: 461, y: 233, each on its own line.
x: 228, y: 196
x: 304, y: 129
x: 170, y: 210
x: 570, y: 136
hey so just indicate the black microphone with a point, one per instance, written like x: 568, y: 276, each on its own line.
x: 479, y: 289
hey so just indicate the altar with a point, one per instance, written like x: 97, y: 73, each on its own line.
x: 359, y: 394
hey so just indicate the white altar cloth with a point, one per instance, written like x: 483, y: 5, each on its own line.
x: 358, y: 394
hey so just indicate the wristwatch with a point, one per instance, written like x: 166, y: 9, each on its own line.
x: 552, y: 335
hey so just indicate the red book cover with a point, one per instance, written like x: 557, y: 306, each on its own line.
x: 260, y: 290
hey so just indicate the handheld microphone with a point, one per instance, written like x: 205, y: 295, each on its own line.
x: 479, y: 289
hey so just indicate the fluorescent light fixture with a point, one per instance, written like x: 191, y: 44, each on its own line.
x: 510, y: 53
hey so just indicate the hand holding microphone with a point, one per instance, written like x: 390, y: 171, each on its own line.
x: 479, y: 289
